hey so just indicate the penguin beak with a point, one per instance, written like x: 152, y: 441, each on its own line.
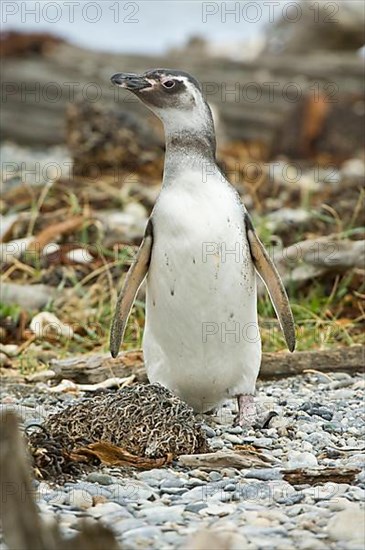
x: 130, y: 81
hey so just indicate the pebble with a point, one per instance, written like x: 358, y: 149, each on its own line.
x: 215, y: 476
x: 232, y: 438
x: 80, y: 499
x: 93, y: 488
x: 317, y: 409
x: 108, y: 509
x: 297, y: 459
x: 199, y: 474
x: 235, y: 429
x: 264, y: 442
x: 102, y: 479
x: 264, y: 474
x: 216, y: 444
x: 172, y: 482
x: 333, y: 427
x: 131, y: 491
x: 209, y: 431
x: 230, y: 487
x: 219, y: 510
x: 163, y: 514
x: 348, y: 525
x: 195, y: 507
x: 123, y: 525
x: 195, y: 482
x: 141, y: 534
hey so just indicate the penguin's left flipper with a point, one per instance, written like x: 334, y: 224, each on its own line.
x: 136, y: 274
x: 270, y: 276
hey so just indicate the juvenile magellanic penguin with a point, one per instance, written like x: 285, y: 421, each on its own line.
x: 199, y: 253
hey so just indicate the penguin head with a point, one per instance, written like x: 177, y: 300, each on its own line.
x: 174, y: 96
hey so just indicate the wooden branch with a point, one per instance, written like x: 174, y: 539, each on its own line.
x: 243, y: 458
x: 96, y: 368
x: 278, y: 365
x: 92, y: 369
x: 22, y: 526
x: 315, y: 476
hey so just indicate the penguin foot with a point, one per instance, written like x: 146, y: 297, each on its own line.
x: 246, y: 411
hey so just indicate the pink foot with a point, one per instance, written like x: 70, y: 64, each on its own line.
x: 246, y: 411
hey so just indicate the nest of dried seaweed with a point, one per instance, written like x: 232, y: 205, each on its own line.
x: 146, y: 421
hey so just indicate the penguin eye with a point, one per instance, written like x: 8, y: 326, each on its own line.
x: 168, y: 84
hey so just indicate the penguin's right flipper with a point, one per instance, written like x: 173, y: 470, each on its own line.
x: 270, y: 276
x: 136, y: 274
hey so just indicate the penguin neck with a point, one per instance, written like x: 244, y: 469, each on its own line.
x: 186, y: 151
x: 190, y: 146
x: 190, y: 141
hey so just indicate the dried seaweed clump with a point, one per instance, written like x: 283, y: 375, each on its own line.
x: 147, y: 420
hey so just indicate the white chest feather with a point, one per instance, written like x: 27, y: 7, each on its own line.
x: 201, y: 336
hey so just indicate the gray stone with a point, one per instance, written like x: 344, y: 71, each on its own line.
x: 123, y: 525
x: 232, y: 438
x: 80, y: 499
x: 333, y: 427
x: 317, y: 409
x: 195, y: 494
x: 195, y: 507
x: 102, y: 479
x: 319, y: 439
x: 264, y: 474
x: 220, y: 510
x: 163, y: 514
x: 142, y: 534
x: 264, y: 442
x: 93, y: 488
x: 235, y: 430
x: 199, y: 474
x: 155, y: 473
x: 348, y: 525
x: 297, y: 459
x: 195, y: 482
x: 253, y: 531
x: 174, y: 490
x: 108, y: 509
x: 58, y: 498
x: 131, y: 490
x: 209, y: 431
x: 356, y: 494
x: 172, y: 482
x: 230, y: 487
x: 216, y: 444
x: 291, y: 499
x: 215, y: 476
x: 304, y: 540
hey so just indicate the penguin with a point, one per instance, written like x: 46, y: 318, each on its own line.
x: 200, y: 254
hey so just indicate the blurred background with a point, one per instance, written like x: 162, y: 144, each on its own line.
x: 82, y: 161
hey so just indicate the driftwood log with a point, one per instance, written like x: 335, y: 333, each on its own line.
x: 278, y: 365
x: 315, y: 476
x: 96, y: 368
x: 23, y: 528
x: 239, y: 459
x: 92, y: 369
